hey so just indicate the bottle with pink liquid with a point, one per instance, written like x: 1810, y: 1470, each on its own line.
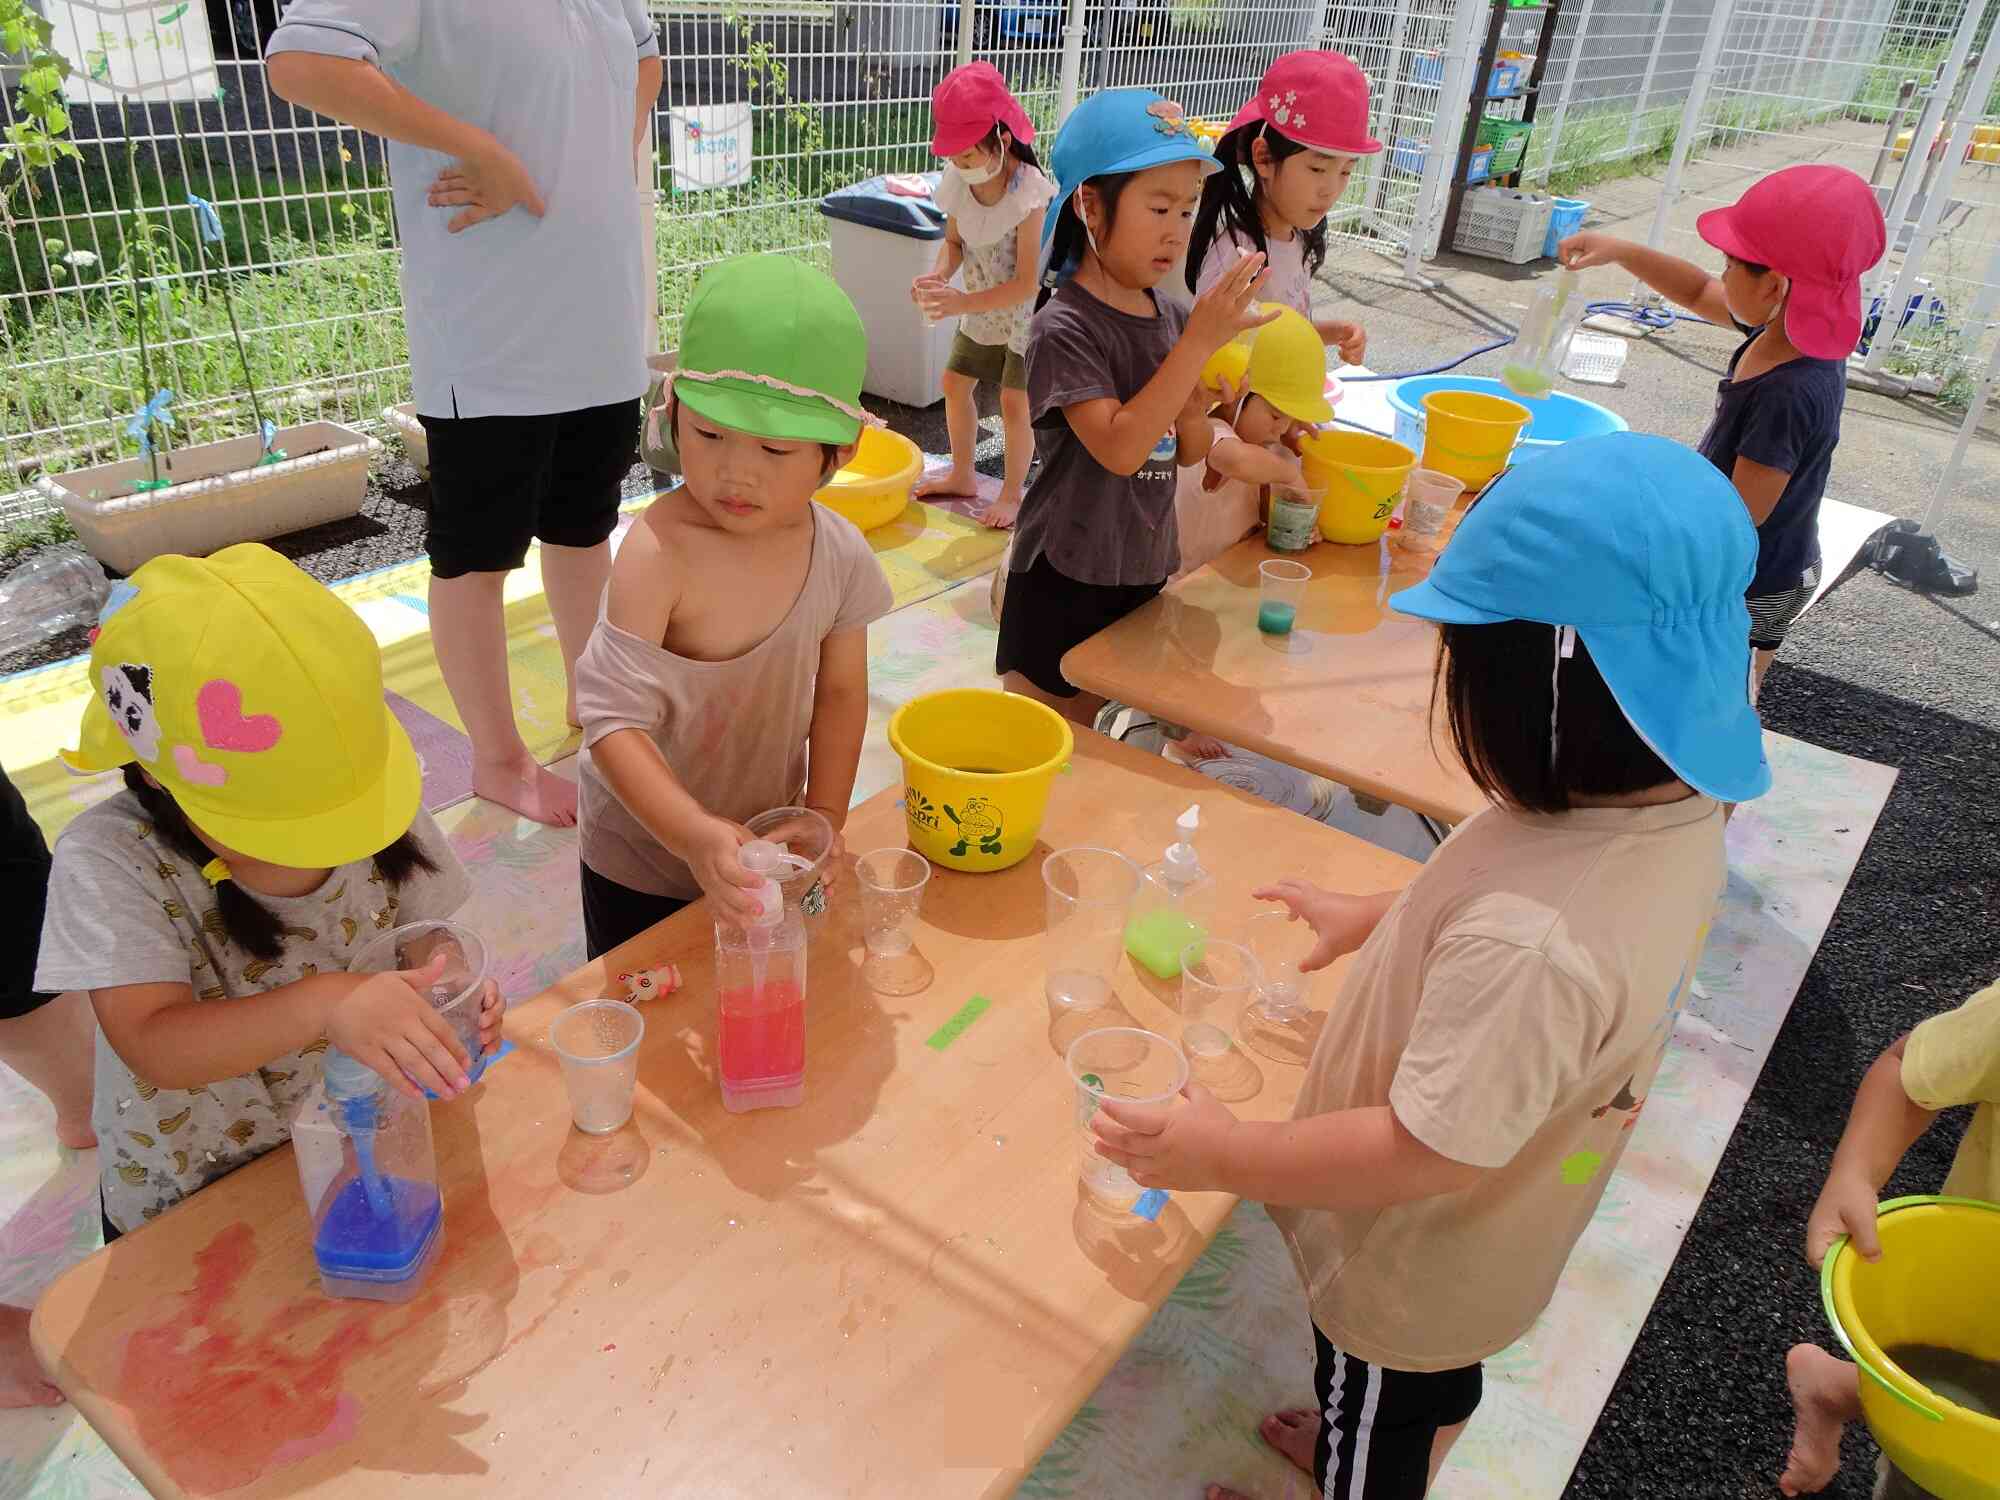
x: 760, y: 1003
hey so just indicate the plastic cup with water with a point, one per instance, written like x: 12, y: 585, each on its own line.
x: 598, y: 1044
x: 455, y: 995
x: 1088, y: 895
x: 1218, y: 979
x: 892, y: 883
x: 1278, y: 1021
x: 1281, y: 589
x: 1123, y: 1063
x: 1428, y: 499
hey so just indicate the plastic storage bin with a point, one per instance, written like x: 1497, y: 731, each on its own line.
x: 1479, y: 166
x: 882, y: 242
x: 1407, y: 155
x: 1502, y: 224
x: 1565, y: 219
x: 1509, y: 140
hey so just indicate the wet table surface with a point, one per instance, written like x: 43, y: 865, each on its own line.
x: 1347, y: 695
x: 896, y: 1289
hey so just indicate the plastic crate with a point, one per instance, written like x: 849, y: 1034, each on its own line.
x: 1479, y: 166
x: 1502, y: 224
x: 1509, y: 140
x: 1407, y: 155
x: 1565, y: 219
x: 1427, y: 67
x: 1504, y: 81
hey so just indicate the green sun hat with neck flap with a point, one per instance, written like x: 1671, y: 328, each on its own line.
x: 774, y: 347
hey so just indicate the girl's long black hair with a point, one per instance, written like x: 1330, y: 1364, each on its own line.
x: 1068, y: 241
x: 1019, y: 149
x: 246, y: 921
x: 1229, y: 201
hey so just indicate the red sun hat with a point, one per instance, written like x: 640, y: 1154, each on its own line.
x: 1319, y: 99
x: 967, y: 103
x: 1821, y: 229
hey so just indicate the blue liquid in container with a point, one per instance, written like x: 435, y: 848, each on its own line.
x: 356, y: 1243
x: 1276, y: 619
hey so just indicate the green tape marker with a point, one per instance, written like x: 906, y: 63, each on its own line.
x: 950, y: 1032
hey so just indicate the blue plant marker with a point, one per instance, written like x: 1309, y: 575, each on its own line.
x: 209, y: 221
x: 140, y: 428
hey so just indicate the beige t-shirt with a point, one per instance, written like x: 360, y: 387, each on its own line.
x: 1954, y: 1059
x: 1512, y: 1009
x: 1212, y: 520
x: 733, y: 731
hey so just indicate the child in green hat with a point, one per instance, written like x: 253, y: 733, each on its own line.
x: 728, y: 673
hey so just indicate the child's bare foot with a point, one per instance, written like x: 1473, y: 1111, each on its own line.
x: 1826, y: 1396
x: 1001, y: 513
x: 1197, y: 748
x: 529, y: 789
x: 21, y: 1379
x: 1293, y: 1433
x: 958, y: 484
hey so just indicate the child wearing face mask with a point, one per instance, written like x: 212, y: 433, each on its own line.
x: 996, y: 196
x: 1795, y: 247
x: 1297, y: 140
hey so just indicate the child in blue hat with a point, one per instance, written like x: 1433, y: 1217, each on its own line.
x: 1503, y: 1019
x: 1114, y: 386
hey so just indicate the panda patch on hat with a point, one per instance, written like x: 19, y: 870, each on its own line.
x: 128, y: 694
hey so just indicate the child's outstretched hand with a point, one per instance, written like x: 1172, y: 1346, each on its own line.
x: 714, y: 857
x: 1182, y: 1145
x: 1341, y: 922
x: 386, y: 1024
x: 1847, y: 1205
x: 1229, y: 306
x: 1588, y: 248
x: 1351, y: 339
x: 491, y: 1009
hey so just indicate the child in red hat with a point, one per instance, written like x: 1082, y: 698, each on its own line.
x: 1796, y: 246
x: 1286, y: 159
x: 996, y: 196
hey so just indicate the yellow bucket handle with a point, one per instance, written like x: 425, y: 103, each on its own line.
x: 1860, y: 1360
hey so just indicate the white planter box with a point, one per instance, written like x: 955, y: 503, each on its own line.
x: 415, y: 443
x: 221, y: 495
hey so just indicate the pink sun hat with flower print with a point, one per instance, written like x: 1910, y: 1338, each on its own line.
x: 966, y: 106
x: 1319, y: 99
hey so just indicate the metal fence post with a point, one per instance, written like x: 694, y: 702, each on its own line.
x: 1071, y: 78
x: 1459, y: 58
x: 1690, y: 127
x: 1646, y: 80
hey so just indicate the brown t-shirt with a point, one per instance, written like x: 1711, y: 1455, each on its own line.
x: 1095, y: 526
x: 1512, y: 1009
x: 734, y: 731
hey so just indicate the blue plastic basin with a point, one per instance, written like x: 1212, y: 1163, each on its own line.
x: 1557, y: 418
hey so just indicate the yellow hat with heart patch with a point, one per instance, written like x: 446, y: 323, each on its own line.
x: 254, y: 697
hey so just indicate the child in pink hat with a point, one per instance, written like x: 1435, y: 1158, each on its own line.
x: 996, y: 196
x: 1795, y: 246
x: 1286, y: 160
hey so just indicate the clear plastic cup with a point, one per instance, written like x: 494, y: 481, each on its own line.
x: 1218, y: 980
x: 598, y: 1043
x: 1428, y: 500
x: 1125, y: 1063
x: 1088, y: 894
x: 1281, y: 589
x: 892, y: 885
x: 455, y: 996
x: 1277, y: 1022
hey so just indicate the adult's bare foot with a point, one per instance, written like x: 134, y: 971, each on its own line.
x: 21, y: 1379
x: 958, y: 484
x: 1826, y: 1396
x: 529, y: 789
x: 1001, y: 513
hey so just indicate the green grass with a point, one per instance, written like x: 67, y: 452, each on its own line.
x: 33, y: 534
x: 1592, y: 147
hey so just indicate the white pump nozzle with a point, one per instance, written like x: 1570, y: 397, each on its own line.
x: 1181, y: 855
x: 762, y: 857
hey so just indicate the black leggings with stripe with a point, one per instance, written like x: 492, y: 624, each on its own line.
x: 1375, y: 1441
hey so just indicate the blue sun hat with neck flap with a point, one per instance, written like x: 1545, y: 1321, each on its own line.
x: 1641, y: 547
x: 1119, y: 130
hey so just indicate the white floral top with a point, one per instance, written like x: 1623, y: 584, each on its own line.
x: 989, y: 232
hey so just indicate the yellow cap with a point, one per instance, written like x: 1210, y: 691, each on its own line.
x: 1285, y: 363
x: 254, y: 697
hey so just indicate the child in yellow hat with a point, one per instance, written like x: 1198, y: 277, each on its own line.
x: 270, y: 821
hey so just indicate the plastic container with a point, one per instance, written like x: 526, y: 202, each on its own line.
x: 1407, y: 154
x: 1087, y: 905
x: 1428, y: 500
x: 1362, y: 475
x: 54, y: 591
x: 1281, y: 591
x: 805, y: 843
x: 1595, y: 358
x: 1174, y: 907
x: 760, y: 998
x: 1469, y: 434
x: 1540, y: 348
x: 1294, y: 522
x: 1509, y: 140
x: 1502, y: 224
x: 1277, y: 1023
x: 881, y: 242
x: 1479, y: 165
x: 873, y: 487
x: 456, y: 994
x: 1127, y: 1064
x: 1565, y: 219
x: 1218, y: 982
x: 369, y: 1174
x: 891, y: 885
x: 1553, y: 422
x: 1933, y: 1289
x: 977, y: 771
x: 597, y: 1043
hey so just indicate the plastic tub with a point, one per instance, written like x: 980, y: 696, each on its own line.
x: 1933, y: 1286
x: 874, y: 487
x: 1362, y: 476
x: 879, y: 243
x: 977, y: 769
x: 1565, y: 219
x: 1552, y: 422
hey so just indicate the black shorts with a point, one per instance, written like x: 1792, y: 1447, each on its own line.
x: 498, y: 483
x: 24, y: 867
x: 1375, y: 1441
x: 1773, y: 615
x: 614, y: 913
x: 1049, y: 612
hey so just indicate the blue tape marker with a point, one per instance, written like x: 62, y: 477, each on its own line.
x: 480, y: 1069
x: 1150, y: 1203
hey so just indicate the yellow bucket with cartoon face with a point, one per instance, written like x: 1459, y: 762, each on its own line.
x: 977, y: 769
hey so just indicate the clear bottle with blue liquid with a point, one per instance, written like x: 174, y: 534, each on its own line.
x: 369, y: 1172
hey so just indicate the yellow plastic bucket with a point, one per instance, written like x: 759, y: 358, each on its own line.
x: 874, y: 487
x: 1469, y: 434
x: 1362, y: 476
x: 977, y: 767
x: 1935, y: 1285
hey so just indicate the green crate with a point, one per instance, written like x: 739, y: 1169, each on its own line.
x: 1509, y: 140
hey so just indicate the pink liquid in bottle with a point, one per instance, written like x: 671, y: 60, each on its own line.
x: 762, y: 1039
